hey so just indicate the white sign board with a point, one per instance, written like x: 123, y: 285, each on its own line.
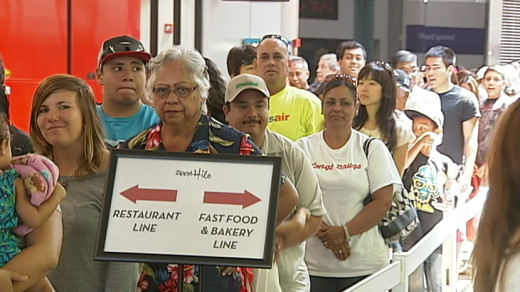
x: 189, y: 208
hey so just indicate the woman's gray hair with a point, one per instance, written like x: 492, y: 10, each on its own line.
x: 331, y: 60
x: 192, y: 61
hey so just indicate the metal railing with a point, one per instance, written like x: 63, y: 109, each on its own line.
x: 395, y: 276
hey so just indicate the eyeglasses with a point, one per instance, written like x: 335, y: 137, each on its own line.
x: 275, y: 36
x: 341, y: 77
x: 181, y: 91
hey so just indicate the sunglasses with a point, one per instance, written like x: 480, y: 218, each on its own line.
x: 122, y: 47
x: 385, y: 66
x: 275, y: 36
x: 340, y: 77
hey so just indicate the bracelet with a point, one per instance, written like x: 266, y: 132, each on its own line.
x: 347, y: 234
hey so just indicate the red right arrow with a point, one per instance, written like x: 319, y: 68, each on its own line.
x: 245, y: 199
x: 138, y: 194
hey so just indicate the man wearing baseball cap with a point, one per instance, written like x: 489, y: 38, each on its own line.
x: 430, y: 180
x: 403, y: 82
x: 122, y: 73
x: 247, y: 109
x: 401, y: 95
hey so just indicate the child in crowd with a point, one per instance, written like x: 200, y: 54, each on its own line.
x: 26, y: 185
x: 430, y: 182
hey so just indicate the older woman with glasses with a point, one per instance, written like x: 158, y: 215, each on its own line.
x: 179, y: 85
x: 348, y: 245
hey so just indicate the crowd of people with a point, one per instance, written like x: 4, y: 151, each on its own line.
x: 433, y: 125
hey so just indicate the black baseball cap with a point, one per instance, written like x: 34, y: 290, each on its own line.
x: 122, y: 46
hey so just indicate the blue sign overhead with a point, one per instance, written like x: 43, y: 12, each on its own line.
x: 471, y: 41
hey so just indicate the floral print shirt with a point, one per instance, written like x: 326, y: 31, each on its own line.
x: 211, y: 137
x: 8, y: 217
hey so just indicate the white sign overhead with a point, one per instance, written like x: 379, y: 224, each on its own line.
x: 189, y: 208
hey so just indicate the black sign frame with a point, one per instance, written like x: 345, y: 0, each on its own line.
x: 268, y: 245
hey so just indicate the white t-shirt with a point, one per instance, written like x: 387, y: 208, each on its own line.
x: 345, y: 180
x: 404, y: 132
x: 295, y: 164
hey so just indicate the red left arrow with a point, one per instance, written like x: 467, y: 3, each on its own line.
x: 135, y: 194
x: 245, y: 199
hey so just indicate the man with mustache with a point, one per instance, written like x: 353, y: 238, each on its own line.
x: 294, y: 112
x: 122, y: 73
x: 247, y: 109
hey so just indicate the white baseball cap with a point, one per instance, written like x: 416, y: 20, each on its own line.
x: 425, y: 108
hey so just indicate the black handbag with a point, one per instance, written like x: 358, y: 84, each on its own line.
x: 402, y: 218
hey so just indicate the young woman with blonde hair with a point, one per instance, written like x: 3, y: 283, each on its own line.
x: 66, y: 128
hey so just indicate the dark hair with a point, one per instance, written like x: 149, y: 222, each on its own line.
x: 447, y: 55
x: 4, y: 127
x: 217, y: 91
x: 382, y: 73
x: 467, y: 77
x: 4, y: 104
x: 403, y: 56
x: 2, y: 72
x: 349, y: 45
x: 238, y: 56
x: 337, y: 80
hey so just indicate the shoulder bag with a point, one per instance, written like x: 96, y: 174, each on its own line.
x: 402, y: 218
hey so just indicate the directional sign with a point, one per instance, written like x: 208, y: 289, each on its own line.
x: 135, y: 193
x: 189, y: 208
x: 245, y: 199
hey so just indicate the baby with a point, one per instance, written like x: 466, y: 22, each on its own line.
x: 26, y: 185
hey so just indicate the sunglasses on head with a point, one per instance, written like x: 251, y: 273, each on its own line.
x: 275, y: 36
x: 122, y: 47
x: 341, y: 77
x: 385, y: 66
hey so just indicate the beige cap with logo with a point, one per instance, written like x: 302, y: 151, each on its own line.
x: 243, y: 82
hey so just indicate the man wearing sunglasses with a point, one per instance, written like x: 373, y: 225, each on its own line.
x: 122, y: 73
x: 294, y: 112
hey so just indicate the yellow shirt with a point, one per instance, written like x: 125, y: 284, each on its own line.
x: 295, y: 113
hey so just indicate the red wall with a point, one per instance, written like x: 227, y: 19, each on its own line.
x: 34, y: 41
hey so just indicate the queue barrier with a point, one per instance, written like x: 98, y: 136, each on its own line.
x: 395, y: 276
